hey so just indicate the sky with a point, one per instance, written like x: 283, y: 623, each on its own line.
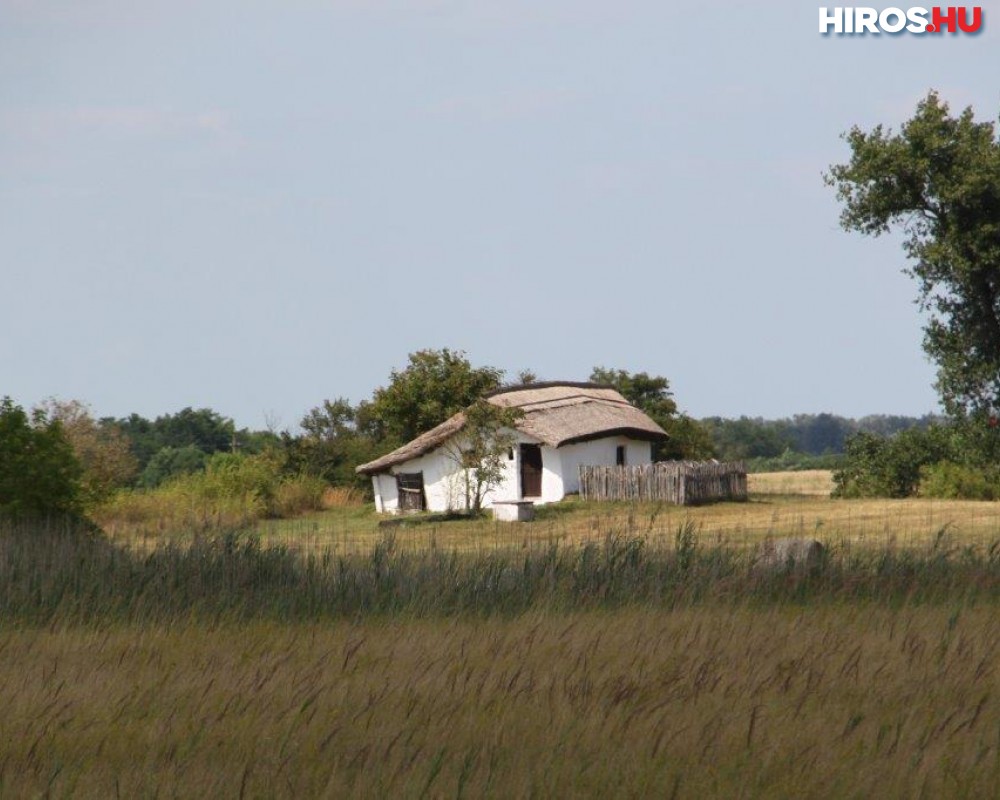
x: 255, y: 206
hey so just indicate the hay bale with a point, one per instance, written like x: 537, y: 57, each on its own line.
x: 789, y: 555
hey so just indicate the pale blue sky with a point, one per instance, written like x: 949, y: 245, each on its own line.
x: 254, y: 206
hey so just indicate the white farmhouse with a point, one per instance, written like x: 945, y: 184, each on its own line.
x: 564, y: 426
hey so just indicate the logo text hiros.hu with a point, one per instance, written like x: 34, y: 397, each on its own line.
x: 897, y: 20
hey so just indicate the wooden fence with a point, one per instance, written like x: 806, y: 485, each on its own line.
x: 683, y: 483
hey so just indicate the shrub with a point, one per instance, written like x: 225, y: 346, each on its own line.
x: 876, y: 466
x: 299, y: 494
x: 950, y: 481
x: 169, y: 462
x: 232, y: 491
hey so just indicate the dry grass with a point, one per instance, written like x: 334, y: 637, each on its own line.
x: 781, y: 504
x: 810, y: 482
x: 709, y: 702
x: 342, y: 497
x: 906, y: 523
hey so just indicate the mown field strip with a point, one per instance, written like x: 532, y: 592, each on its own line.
x: 876, y: 523
x: 781, y: 504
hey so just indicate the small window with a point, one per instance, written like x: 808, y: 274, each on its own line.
x: 620, y: 455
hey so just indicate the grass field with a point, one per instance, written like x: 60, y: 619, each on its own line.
x: 834, y: 701
x: 808, y: 483
x: 781, y: 504
x: 651, y: 662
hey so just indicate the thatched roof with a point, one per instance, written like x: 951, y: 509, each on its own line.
x: 554, y: 413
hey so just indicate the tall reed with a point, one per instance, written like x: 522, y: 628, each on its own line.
x: 52, y: 571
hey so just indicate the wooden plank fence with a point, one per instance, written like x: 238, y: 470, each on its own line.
x: 683, y: 483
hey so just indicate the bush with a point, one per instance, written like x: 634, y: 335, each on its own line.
x: 950, y: 481
x: 170, y: 462
x: 876, y: 466
x: 299, y: 494
x: 232, y: 491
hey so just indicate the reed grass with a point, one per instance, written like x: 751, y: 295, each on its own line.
x: 53, y: 573
x: 622, y: 668
x: 343, y: 497
x: 731, y: 701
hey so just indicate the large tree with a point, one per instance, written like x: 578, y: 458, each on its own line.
x: 39, y: 473
x: 101, y: 448
x: 331, y: 445
x: 186, y: 431
x: 435, y: 385
x: 651, y: 393
x: 938, y: 182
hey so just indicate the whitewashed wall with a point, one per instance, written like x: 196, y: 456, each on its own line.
x: 599, y: 452
x: 444, y: 483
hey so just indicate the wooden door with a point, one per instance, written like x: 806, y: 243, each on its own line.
x: 531, y: 470
x: 411, y: 491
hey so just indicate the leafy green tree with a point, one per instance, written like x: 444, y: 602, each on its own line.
x: 891, y: 467
x: 745, y: 438
x: 331, y: 420
x: 331, y: 445
x: 818, y: 434
x: 938, y: 181
x: 170, y: 462
x: 101, y: 449
x: 888, y: 424
x: 39, y: 473
x: 481, y: 449
x: 143, y: 440
x: 204, y: 429
x: 650, y: 393
x: 688, y: 439
x: 434, y: 385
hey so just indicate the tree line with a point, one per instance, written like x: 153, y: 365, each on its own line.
x: 60, y: 457
x: 748, y: 438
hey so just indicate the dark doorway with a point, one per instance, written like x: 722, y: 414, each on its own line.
x: 410, y: 486
x: 531, y: 470
x: 620, y: 455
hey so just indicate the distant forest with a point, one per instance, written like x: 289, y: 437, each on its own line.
x: 182, y: 442
x: 802, y: 441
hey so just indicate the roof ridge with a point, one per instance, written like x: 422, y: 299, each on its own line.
x: 582, y: 398
x: 522, y: 387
